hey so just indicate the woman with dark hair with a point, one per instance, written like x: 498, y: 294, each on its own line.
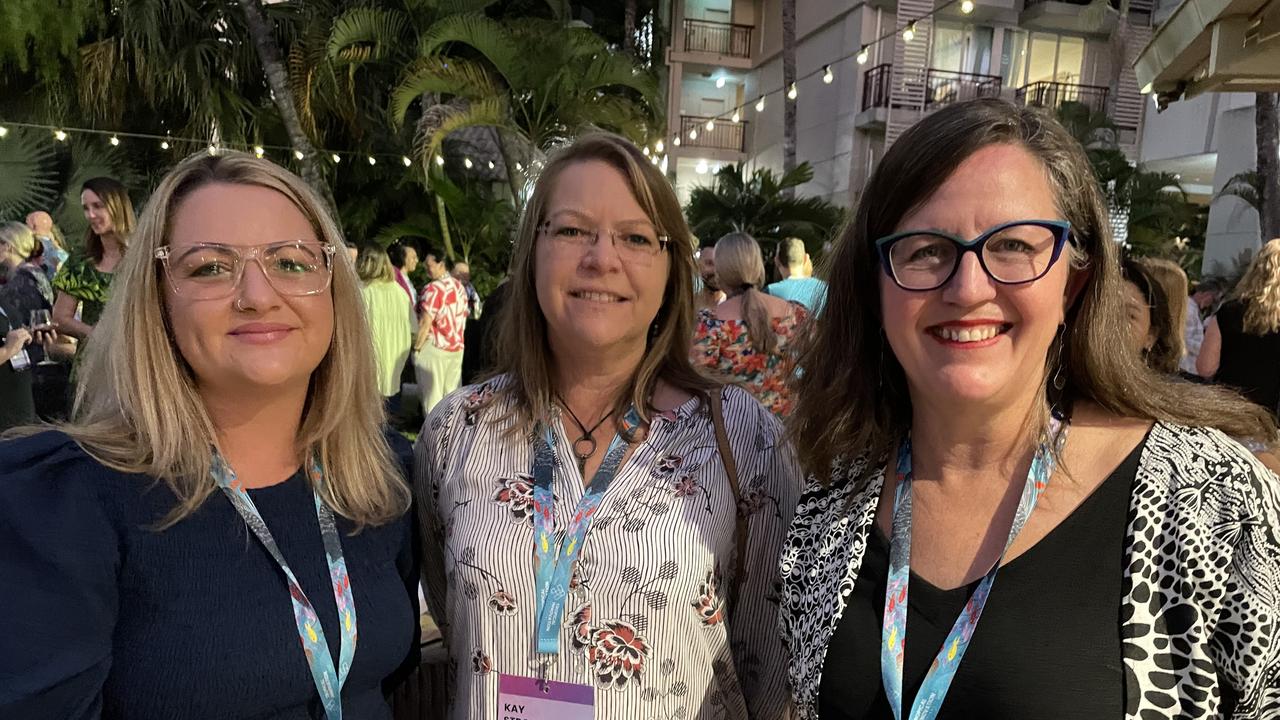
x: 588, y: 546
x: 747, y: 338
x: 84, y: 280
x: 969, y: 412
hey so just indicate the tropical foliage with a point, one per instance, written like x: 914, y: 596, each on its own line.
x: 759, y: 204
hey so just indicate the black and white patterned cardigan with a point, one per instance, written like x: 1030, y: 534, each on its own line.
x: 1201, y: 613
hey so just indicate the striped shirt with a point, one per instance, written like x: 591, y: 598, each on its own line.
x: 644, y: 624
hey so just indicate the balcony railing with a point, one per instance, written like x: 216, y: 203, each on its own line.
x: 940, y: 87
x: 1053, y: 95
x: 715, y: 37
x: 944, y: 87
x: 723, y: 135
x: 875, y: 86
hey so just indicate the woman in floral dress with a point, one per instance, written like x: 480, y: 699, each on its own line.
x: 747, y: 339
x: 581, y: 532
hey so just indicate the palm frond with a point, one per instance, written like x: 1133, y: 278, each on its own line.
x: 366, y: 34
x: 435, y: 74
x: 1245, y: 185
x: 488, y: 37
x: 28, y: 173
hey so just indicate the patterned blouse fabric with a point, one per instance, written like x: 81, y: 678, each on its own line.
x: 647, y: 624
x: 1200, y: 617
x: 445, y: 302
x: 80, y: 278
x: 391, y: 322
x: 724, y: 346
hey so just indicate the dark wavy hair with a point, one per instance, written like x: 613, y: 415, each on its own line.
x: 852, y: 398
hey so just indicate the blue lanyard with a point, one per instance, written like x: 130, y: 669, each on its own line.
x: 554, y: 559
x: 937, y: 681
x: 328, y: 681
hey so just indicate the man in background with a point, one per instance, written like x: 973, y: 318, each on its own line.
x: 55, y: 251
x: 462, y: 273
x: 796, y: 270
x: 1200, y: 305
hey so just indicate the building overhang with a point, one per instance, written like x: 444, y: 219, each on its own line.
x: 1213, y: 46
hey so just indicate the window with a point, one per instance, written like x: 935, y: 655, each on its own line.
x: 1040, y: 57
x: 961, y: 48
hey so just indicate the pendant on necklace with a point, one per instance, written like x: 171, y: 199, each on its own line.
x: 588, y: 443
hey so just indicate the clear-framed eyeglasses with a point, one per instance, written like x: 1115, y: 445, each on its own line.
x: 212, y: 271
x: 1011, y: 254
x: 639, y: 244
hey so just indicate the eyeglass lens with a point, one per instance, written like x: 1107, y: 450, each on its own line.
x: 209, y: 271
x: 1018, y: 253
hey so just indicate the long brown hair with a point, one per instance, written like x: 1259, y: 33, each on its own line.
x: 852, y: 398
x: 1259, y: 291
x: 1168, y: 303
x: 522, y: 327
x: 141, y: 413
x: 115, y: 198
x: 740, y: 270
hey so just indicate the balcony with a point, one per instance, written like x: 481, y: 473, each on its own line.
x: 944, y: 87
x: 929, y: 89
x: 715, y: 43
x: 875, y: 87
x: 723, y: 135
x: 1053, y: 95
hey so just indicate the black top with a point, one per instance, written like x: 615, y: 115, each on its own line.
x: 1250, y: 363
x: 108, y: 617
x: 1048, y: 643
x: 479, y: 336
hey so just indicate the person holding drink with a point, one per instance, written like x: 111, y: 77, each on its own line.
x: 25, y: 301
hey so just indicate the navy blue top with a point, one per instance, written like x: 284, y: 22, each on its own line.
x: 106, y: 617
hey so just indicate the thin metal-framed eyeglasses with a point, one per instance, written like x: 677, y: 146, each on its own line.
x: 212, y: 271
x: 635, y: 244
x: 1012, y: 253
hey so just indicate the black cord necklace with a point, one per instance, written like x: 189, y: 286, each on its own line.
x: 588, y: 436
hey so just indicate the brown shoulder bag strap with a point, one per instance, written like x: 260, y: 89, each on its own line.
x: 741, y: 529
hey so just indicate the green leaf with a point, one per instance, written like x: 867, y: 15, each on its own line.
x: 488, y: 37
x: 28, y: 173
x: 450, y: 76
x: 366, y: 34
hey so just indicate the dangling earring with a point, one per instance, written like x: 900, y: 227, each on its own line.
x: 1059, y: 381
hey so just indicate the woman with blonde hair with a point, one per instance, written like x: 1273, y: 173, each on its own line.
x: 1242, y: 341
x: 747, y: 338
x: 600, y: 522
x: 223, y: 517
x: 392, y: 322
x: 1011, y: 515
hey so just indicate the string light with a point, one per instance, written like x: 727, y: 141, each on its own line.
x: 373, y: 160
x: 711, y: 125
x: 657, y: 147
x: 164, y: 144
x: 966, y: 6
x: 467, y: 162
x: 440, y: 161
x: 490, y: 164
x: 4, y: 131
x: 827, y: 75
x: 336, y: 158
x: 60, y: 135
x: 720, y: 82
x: 792, y: 93
x: 760, y: 104
x: 693, y: 134
x: 213, y: 149
x: 297, y: 154
x: 863, y: 55
x: 519, y: 167
x: 407, y: 162
x: 676, y: 141
x: 737, y: 117
x: 259, y: 151
x: 909, y: 32
x: 645, y: 151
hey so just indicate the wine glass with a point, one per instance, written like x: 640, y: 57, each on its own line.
x: 42, y: 320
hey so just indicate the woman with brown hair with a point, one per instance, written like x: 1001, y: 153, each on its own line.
x: 747, y: 338
x: 1242, y: 342
x: 970, y: 413
x: 222, y: 529
x: 601, y: 523
x: 84, y: 280
x: 1155, y: 331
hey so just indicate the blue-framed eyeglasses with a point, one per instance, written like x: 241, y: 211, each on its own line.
x: 1011, y: 254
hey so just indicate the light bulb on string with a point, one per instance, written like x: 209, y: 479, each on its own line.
x: 760, y: 104
x: 4, y: 131
x: 164, y: 144
x: 711, y: 124
x: 676, y: 141
x: 467, y: 163
x: 490, y: 164
x: 720, y: 82
x: 645, y: 151
x: 407, y: 162
x: 827, y: 75
x: 657, y: 147
x: 60, y: 135
x: 792, y: 92
x: 863, y: 55
x: 737, y: 116
x: 519, y: 167
x: 909, y: 32
x: 336, y: 158
x: 297, y: 154
x: 373, y: 160
x: 259, y: 151
x: 966, y: 6
x: 440, y: 160
x: 693, y: 134
x: 115, y: 141
x: 213, y: 149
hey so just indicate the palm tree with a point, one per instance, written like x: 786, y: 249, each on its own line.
x: 788, y: 79
x: 1246, y: 186
x: 761, y: 205
x: 264, y: 42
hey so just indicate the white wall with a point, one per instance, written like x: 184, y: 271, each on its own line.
x: 1233, y: 225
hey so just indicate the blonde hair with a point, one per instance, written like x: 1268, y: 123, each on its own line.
x: 1173, y: 281
x: 374, y: 265
x: 1259, y: 291
x: 740, y: 271
x: 142, y: 412
x: 522, y: 324
x: 115, y: 197
x: 19, y: 237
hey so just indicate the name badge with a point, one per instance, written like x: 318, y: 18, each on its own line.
x: 525, y: 698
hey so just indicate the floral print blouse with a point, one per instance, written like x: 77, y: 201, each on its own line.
x: 725, y: 348
x: 647, y: 623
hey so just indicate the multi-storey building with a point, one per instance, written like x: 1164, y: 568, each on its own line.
x: 726, y: 53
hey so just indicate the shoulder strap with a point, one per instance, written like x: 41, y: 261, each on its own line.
x: 741, y: 528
